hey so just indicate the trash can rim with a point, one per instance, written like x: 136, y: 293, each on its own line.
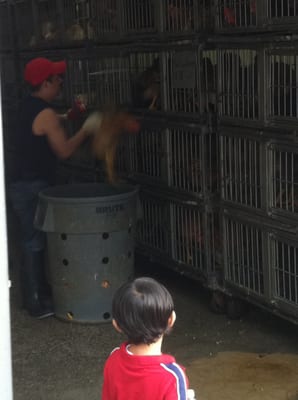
x: 129, y: 190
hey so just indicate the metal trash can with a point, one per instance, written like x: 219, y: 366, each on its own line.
x: 90, y: 235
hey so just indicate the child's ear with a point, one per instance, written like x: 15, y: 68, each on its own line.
x: 172, y: 319
x: 116, y: 326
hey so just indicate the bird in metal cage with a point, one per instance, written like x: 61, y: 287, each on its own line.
x: 146, y: 88
x: 75, y: 32
x: 107, y: 128
x: 180, y: 17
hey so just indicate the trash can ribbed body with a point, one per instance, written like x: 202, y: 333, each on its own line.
x: 90, y: 235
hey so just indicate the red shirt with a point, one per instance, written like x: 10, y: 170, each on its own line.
x: 131, y: 377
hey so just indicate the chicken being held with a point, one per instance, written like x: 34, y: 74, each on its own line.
x: 107, y: 127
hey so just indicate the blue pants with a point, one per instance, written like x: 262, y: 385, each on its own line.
x: 24, y: 198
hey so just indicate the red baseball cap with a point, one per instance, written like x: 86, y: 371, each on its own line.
x: 39, y: 69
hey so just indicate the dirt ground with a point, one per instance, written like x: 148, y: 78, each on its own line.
x: 64, y: 360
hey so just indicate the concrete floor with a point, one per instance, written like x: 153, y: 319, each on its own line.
x: 54, y: 360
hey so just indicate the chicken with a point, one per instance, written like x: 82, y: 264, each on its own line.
x: 147, y: 87
x: 75, y: 32
x: 107, y: 127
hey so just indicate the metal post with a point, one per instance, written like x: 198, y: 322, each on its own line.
x: 5, y: 342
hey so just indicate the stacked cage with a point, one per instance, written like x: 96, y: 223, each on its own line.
x: 175, y: 156
x: 257, y: 116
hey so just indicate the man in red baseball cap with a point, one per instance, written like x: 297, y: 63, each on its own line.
x: 40, y: 69
x: 40, y: 140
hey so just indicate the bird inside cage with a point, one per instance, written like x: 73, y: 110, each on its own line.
x: 75, y: 32
x: 180, y: 16
x: 49, y: 30
x: 107, y: 127
x: 105, y: 16
x: 240, y: 14
x: 146, y: 88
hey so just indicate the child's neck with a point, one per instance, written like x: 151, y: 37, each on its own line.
x: 153, y: 349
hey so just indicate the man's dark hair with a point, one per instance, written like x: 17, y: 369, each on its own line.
x: 142, y: 309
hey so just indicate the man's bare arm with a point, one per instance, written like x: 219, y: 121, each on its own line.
x: 48, y: 123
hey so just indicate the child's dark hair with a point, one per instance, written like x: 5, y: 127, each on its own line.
x: 142, y: 309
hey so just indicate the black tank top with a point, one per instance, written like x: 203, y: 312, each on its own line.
x: 36, y: 159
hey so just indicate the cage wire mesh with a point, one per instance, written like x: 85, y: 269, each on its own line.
x: 208, y: 70
x: 180, y: 16
x: 122, y: 162
x: 281, y: 9
x: 147, y: 153
x: 48, y: 24
x: 284, y: 165
x: 182, y: 87
x: 193, y: 160
x: 192, y: 239
x: 243, y: 256
x: 140, y: 16
x: 100, y: 80
x: 76, y: 20
x: 153, y: 229
x: 236, y: 14
x: 145, y: 72
x: 285, y: 271
x: 104, y: 20
x: 283, y: 78
x: 25, y: 24
x: 239, y: 84
x: 241, y: 171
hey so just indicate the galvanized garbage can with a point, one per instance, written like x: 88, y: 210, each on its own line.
x: 90, y: 234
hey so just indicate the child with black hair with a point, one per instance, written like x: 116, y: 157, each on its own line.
x: 144, y: 311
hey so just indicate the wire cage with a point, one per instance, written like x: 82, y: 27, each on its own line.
x: 145, y: 78
x: 193, y: 160
x: 122, y: 166
x: 6, y: 27
x: 283, y: 164
x: 244, y: 261
x: 236, y: 15
x: 148, y: 153
x: 190, y: 83
x: 243, y: 175
x: 282, y: 13
x: 25, y: 24
x: 196, y: 240
x: 239, y: 85
x: 140, y: 17
x: 181, y: 17
x: 181, y: 81
x: 79, y: 19
x: 99, y: 79
x: 103, y: 21
x: 284, y: 272
x: 38, y: 23
x: 282, y: 73
x: 208, y: 72
x: 153, y: 232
